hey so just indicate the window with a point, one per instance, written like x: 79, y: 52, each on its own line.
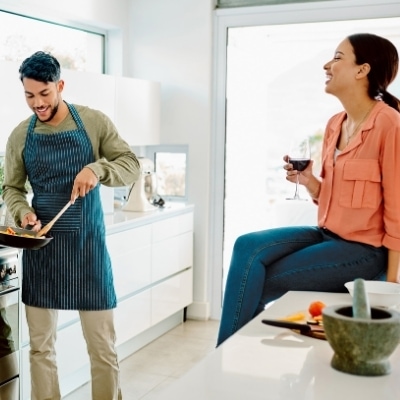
x: 170, y: 165
x: 75, y: 48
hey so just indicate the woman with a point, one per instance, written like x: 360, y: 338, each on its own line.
x: 358, y: 232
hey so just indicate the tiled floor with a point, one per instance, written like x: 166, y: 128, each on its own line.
x: 145, y: 374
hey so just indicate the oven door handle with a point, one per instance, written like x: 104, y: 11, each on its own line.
x: 9, y: 297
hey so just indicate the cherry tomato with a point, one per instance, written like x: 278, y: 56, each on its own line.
x: 315, y: 308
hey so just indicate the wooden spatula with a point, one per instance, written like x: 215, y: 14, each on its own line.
x: 48, y: 226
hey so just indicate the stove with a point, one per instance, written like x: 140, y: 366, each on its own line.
x: 8, y: 268
x: 9, y: 324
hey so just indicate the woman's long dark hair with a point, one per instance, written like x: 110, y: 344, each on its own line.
x: 383, y: 59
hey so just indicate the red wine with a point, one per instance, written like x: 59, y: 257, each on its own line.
x: 299, y: 164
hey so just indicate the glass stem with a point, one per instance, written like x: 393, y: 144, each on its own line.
x: 296, y: 193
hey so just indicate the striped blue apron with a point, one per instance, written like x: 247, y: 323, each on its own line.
x: 73, y: 272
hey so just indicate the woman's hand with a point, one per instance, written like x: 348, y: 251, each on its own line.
x: 291, y: 174
x: 306, y: 178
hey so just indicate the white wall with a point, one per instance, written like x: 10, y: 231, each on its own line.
x: 171, y: 42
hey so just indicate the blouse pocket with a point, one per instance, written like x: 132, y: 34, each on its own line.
x: 361, y: 185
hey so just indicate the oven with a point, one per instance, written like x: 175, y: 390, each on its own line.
x: 9, y: 324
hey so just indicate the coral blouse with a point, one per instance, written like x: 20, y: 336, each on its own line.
x: 360, y: 192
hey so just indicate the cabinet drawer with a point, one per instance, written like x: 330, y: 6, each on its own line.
x: 172, y: 255
x: 132, y: 271
x: 10, y: 390
x: 132, y: 316
x: 171, y: 296
x: 172, y: 227
x: 126, y: 241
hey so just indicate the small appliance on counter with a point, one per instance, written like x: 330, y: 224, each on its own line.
x: 144, y: 190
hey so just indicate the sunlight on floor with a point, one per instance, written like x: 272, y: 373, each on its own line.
x: 145, y: 374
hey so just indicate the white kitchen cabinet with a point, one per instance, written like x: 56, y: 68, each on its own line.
x: 172, y: 255
x: 130, y: 252
x: 167, y: 228
x: 138, y: 110
x: 152, y: 257
x: 155, y: 260
x: 172, y: 295
x: 133, y: 316
x: 90, y: 89
x: 172, y: 246
x: 134, y: 105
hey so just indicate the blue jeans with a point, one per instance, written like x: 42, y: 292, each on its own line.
x: 267, y: 264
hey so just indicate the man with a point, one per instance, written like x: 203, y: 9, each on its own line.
x: 65, y: 151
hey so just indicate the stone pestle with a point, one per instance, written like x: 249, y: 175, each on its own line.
x: 361, y: 308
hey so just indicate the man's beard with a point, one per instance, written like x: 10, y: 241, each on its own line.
x: 53, y: 113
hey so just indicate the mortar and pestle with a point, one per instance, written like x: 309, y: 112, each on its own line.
x: 361, y: 337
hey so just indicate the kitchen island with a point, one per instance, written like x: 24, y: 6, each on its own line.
x: 152, y: 259
x: 262, y: 362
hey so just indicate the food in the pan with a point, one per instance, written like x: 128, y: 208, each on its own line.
x: 11, y: 231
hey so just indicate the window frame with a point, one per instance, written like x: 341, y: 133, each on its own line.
x: 70, y: 25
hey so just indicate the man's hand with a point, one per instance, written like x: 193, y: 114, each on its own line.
x: 84, y: 182
x: 31, y: 219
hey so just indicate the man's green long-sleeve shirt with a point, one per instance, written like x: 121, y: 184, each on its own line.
x: 115, y: 164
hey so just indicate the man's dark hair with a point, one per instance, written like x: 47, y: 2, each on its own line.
x: 40, y: 66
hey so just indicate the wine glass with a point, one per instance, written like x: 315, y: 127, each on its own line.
x: 299, y: 157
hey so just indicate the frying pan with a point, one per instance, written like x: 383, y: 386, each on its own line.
x: 23, y: 242
x: 35, y: 240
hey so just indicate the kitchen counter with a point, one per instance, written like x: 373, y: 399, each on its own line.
x: 123, y: 220
x: 263, y: 362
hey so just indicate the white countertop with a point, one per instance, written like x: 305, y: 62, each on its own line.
x: 269, y: 363
x: 121, y: 220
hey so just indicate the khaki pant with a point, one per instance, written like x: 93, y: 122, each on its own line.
x: 98, y: 330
